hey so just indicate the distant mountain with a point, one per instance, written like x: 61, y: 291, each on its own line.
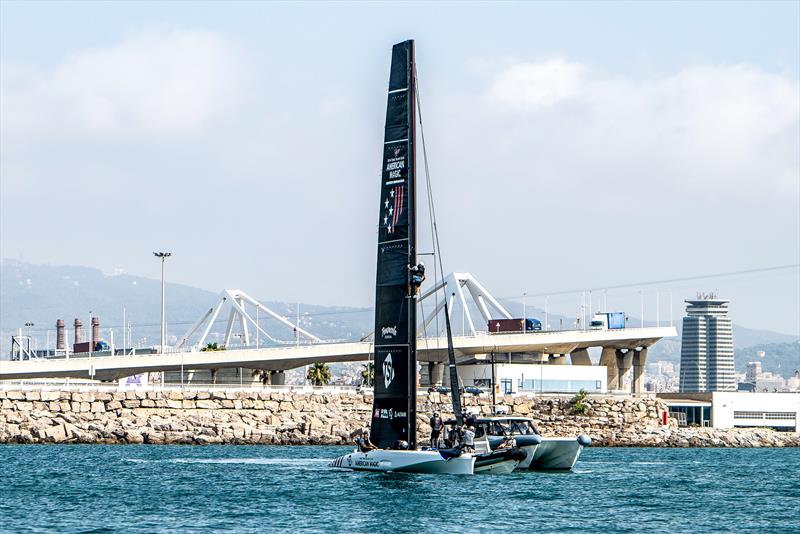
x: 41, y: 294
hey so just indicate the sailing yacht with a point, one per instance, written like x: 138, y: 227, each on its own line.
x: 393, y: 430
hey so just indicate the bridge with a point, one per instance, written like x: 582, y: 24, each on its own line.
x: 621, y: 348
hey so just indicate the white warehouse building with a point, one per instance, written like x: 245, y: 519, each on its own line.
x: 723, y: 409
x: 526, y: 378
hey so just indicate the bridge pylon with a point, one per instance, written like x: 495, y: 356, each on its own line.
x: 238, y: 299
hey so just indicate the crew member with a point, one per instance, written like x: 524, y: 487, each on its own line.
x: 417, y: 275
x: 455, y: 436
x: 364, y: 444
x: 437, y: 424
x: 469, y: 439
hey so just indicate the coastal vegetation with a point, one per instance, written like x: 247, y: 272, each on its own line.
x: 319, y: 374
x: 368, y: 374
x: 579, y: 405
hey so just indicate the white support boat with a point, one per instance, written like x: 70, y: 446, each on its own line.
x: 551, y: 453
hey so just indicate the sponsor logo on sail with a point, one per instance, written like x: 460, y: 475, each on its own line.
x: 388, y: 332
x: 388, y: 371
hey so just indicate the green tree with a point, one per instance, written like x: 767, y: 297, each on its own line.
x: 579, y: 405
x: 368, y: 374
x: 319, y: 374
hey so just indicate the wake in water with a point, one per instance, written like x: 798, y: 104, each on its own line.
x: 235, y: 461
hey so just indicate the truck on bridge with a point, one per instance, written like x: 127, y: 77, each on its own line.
x: 507, y: 326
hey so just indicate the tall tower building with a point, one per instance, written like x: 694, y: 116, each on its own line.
x: 707, y: 346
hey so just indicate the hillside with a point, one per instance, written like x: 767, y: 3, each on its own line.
x: 779, y: 358
x: 41, y: 294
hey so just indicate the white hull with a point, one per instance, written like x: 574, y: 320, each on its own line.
x: 406, y: 462
x: 500, y: 468
x: 556, y: 454
x: 530, y: 454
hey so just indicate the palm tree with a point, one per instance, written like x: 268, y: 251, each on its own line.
x: 368, y: 374
x: 319, y: 374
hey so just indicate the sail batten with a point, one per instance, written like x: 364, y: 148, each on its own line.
x: 394, y: 407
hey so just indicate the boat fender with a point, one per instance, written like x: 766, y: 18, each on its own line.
x: 528, y: 440
x: 584, y: 440
x: 517, y: 454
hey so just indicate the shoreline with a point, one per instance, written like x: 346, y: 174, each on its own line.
x: 262, y: 417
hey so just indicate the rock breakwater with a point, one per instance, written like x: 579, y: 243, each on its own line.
x: 283, y: 417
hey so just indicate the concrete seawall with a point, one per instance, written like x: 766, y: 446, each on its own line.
x: 284, y: 417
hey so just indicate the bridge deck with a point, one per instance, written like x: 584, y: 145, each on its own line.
x: 290, y: 357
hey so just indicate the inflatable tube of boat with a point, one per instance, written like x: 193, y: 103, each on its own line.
x: 528, y: 440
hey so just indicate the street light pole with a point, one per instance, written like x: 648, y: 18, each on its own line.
x: 29, y: 324
x: 163, y: 256
x: 524, y: 311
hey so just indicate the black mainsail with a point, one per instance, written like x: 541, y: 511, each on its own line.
x: 394, y: 409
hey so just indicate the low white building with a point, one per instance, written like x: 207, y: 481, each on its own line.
x: 529, y: 378
x: 723, y: 409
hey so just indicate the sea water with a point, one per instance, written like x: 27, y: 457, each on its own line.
x: 95, y: 488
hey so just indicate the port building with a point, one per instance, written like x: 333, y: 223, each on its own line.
x: 732, y: 409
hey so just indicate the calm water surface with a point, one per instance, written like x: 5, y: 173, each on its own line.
x: 247, y: 489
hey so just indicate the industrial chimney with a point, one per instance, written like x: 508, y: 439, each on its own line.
x: 78, y: 331
x: 95, y: 331
x: 61, y: 335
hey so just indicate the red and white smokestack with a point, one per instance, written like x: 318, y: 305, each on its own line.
x: 61, y: 335
x: 78, y: 331
x: 95, y: 331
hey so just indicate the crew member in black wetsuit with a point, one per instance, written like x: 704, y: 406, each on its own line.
x: 364, y: 444
x: 437, y: 424
x: 417, y: 276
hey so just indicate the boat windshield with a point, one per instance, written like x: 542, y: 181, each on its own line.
x: 517, y: 428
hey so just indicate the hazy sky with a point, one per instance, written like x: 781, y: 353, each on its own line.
x: 571, y: 144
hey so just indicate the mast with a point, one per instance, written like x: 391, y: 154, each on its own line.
x: 394, y: 409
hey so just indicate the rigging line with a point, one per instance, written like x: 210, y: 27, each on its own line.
x: 431, y: 212
x: 665, y: 281
x: 455, y: 392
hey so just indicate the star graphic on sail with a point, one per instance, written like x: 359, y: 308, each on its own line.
x: 391, y: 217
